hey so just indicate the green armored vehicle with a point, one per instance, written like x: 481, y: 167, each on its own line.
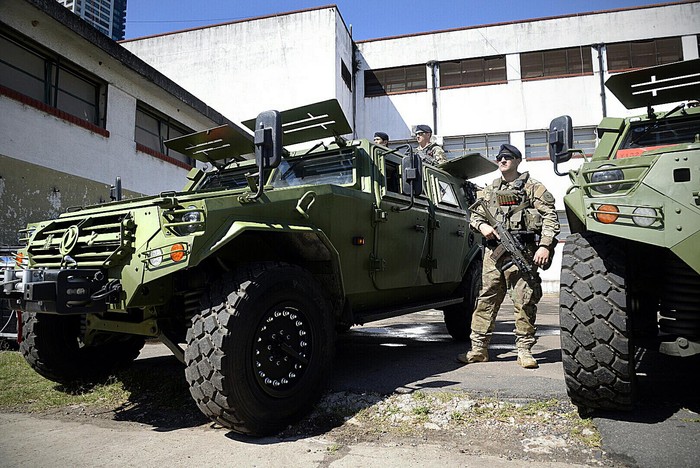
x: 630, y: 274
x: 254, y: 266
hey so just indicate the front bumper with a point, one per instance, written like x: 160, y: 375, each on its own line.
x: 65, y: 291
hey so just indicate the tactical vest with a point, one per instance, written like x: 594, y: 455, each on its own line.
x: 513, y: 206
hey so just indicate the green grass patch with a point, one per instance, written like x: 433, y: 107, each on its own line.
x: 160, y: 388
x: 22, y: 389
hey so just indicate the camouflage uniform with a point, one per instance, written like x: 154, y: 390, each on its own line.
x: 432, y: 154
x: 525, y: 204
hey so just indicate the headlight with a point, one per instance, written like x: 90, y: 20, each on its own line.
x: 192, y: 217
x: 643, y: 216
x: 155, y: 257
x: 609, y: 175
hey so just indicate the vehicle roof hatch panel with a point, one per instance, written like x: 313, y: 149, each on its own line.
x: 663, y: 84
x: 468, y: 166
x: 224, y: 142
x: 311, y: 122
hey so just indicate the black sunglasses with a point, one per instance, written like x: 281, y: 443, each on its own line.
x: 507, y: 157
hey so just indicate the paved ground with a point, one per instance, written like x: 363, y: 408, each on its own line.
x: 397, y: 355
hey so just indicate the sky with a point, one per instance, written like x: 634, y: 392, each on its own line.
x: 370, y: 19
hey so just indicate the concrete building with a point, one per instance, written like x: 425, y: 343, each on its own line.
x: 78, y: 110
x: 478, y: 87
x: 108, y: 16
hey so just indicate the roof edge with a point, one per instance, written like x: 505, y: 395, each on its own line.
x: 531, y: 20
x: 245, y: 20
x: 85, y: 30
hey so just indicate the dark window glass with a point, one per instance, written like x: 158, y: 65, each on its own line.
x: 559, y: 62
x: 640, y: 54
x: 473, y: 71
x: 345, y: 74
x: 153, y: 128
x: 395, y: 80
x: 392, y: 176
x: 39, y: 74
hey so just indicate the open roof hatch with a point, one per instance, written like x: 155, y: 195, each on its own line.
x: 674, y: 82
x: 306, y: 123
x: 468, y: 166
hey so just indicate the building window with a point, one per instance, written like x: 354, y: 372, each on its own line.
x: 395, y: 80
x: 345, y: 74
x: 153, y: 128
x: 488, y: 145
x: 641, y: 54
x: 47, y: 78
x: 473, y: 71
x: 574, y: 61
x: 536, y: 146
x: 585, y: 139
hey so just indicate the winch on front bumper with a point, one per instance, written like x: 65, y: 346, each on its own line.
x: 64, y: 291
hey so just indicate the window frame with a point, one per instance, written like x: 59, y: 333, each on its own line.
x: 489, y: 149
x: 62, y: 83
x: 632, y: 61
x: 464, y: 71
x: 547, y: 63
x: 164, y: 123
x: 395, y: 80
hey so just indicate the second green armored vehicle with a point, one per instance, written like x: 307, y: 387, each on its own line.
x: 630, y: 275
x: 254, y: 266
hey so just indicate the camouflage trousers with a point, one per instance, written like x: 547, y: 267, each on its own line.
x: 495, y: 284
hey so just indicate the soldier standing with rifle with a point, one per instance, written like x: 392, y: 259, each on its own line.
x: 516, y: 216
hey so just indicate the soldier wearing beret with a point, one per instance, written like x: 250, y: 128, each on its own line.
x: 430, y: 153
x: 523, y: 205
x: 381, y: 138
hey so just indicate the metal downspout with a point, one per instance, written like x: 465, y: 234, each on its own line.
x: 599, y: 48
x: 353, y: 91
x: 433, y: 65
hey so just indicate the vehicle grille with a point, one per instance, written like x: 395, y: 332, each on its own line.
x: 95, y: 241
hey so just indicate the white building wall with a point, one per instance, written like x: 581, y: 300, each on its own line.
x: 48, y: 162
x: 243, y: 68
x: 518, y: 105
x: 43, y: 139
x: 293, y: 59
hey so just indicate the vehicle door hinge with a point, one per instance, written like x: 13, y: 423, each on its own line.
x: 429, y: 263
x: 376, y: 263
x: 380, y: 215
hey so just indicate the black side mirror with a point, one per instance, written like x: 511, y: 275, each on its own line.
x: 268, y: 145
x: 412, y: 175
x: 561, y: 139
x: 268, y: 140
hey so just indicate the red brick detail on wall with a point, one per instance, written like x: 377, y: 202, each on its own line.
x: 164, y: 157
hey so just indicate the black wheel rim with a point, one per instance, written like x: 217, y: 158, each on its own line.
x: 282, y: 350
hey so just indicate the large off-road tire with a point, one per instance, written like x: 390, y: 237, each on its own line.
x: 53, y: 347
x: 458, y: 318
x: 596, y: 344
x: 259, y: 353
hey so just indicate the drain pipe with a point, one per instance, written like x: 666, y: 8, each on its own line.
x: 354, y: 66
x: 599, y: 48
x: 433, y: 66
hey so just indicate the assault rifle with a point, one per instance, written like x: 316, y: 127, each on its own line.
x: 509, y: 244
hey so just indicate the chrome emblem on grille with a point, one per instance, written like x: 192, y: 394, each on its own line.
x: 69, y: 240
